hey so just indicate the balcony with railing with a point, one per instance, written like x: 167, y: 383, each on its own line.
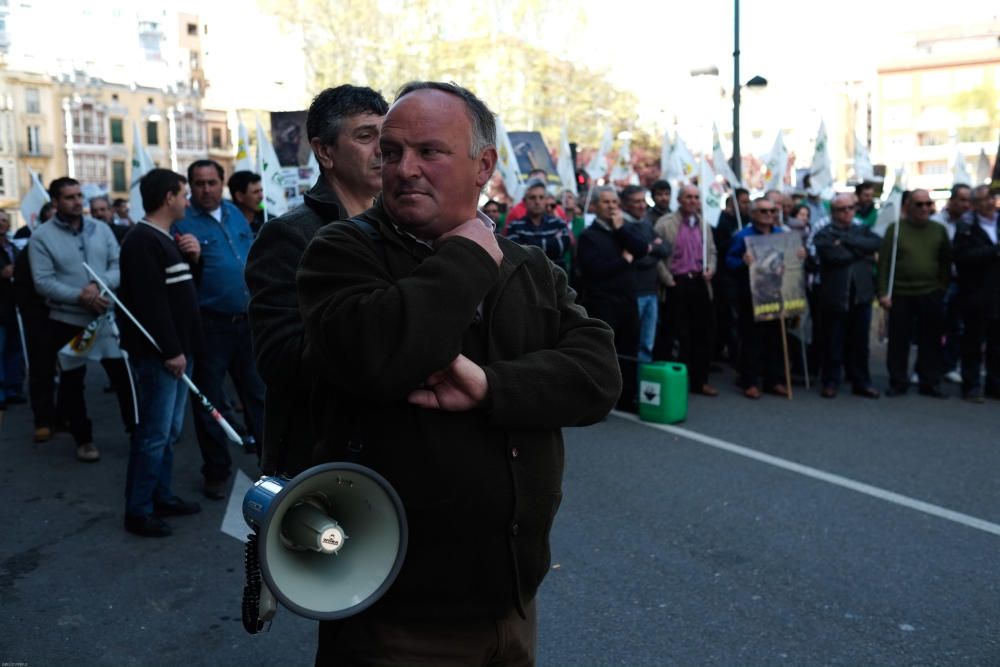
x: 33, y: 149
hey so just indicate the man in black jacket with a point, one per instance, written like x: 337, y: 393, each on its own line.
x: 607, y: 252
x: 157, y: 287
x: 647, y: 279
x: 11, y: 360
x: 846, y: 262
x: 343, y: 125
x: 977, y: 257
x: 456, y: 357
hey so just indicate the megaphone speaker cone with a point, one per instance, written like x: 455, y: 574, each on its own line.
x: 306, y: 558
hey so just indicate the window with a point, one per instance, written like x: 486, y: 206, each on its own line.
x: 216, y: 137
x: 3, y: 184
x: 152, y: 133
x: 34, y: 145
x: 117, y: 131
x: 190, y: 132
x: 89, y: 125
x: 932, y: 168
x: 932, y: 138
x: 192, y: 29
x: 118, y: 182
x: 92, y: 169
x: 32, y: 100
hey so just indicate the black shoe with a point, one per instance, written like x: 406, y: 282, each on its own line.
x: 828, y: 391
x: 16, y: 399
x: 995, y: 395
x: 866, y: 392
x: 147, y: 526
x: 896, y: 390
x: 175, y: 507
x: 216, y: 490
x: 973, y: 397
x: 933, y: 392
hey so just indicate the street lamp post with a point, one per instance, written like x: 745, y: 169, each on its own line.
x: 756, y: 82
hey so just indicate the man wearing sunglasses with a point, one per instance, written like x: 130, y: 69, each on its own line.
x: 847, y: 287
x: 919, y: 266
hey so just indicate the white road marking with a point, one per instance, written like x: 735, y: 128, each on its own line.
x: 860, y: 487
x: 233, y: 523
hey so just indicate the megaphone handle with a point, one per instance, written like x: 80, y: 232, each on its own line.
x: 259, y: 604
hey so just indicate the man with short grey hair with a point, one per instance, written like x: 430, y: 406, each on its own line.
x: 846, y: 254
x: 454, y: 357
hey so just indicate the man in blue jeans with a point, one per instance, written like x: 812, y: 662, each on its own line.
x: 158, y: 288
x: 224, y: 236
x: 647, y: 280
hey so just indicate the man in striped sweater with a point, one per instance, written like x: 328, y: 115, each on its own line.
x: 157, y: 287
x: 540, y: 228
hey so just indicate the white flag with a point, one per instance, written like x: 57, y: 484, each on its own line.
x: 142, y: 164
x: 243, y: 161
x: 863, y: 170
x: 712, y: 194
x: 33, y: 201
x: 983, y: 168
x: 959, y: 174
x: 564, y: 166
x: 719, y: 163
x: 821, y: 170
x: 507, y: 164
x: 99, y: 340
x: 598, y: 167
x: 892, y: 204
x: 776, y: 164
x: 275, y: 201
x: 684, y: 162
x: 666, y: 158
x: 622, y: 170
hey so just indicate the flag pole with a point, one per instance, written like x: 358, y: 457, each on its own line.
x: 784, y: 347
x: 205, y: 403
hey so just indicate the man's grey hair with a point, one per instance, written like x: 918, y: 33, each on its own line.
x: 845, y: 198
x: 535, y: 183
x: 103, y: 198
x: 484, y: 127
x: 755, y: 204
x: 601, y: 189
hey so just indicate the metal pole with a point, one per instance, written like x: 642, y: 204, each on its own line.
x: 737, y: 160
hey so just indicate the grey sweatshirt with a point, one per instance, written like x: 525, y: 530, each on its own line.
x: 57, y: 254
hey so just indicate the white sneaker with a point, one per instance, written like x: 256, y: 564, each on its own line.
x: 954, y: 377
x: 87, y: 453
x: 914, y: 379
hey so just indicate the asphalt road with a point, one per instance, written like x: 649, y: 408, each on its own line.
x: 672, y: 547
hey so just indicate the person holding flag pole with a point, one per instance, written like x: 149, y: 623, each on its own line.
x: 913, y: 271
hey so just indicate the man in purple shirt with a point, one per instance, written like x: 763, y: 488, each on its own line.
x: 687, y: 273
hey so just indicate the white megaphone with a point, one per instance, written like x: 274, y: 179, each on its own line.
x: 328, y: 543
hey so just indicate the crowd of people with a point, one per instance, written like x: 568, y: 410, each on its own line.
x: 670, y: 294
x: 428, y: 318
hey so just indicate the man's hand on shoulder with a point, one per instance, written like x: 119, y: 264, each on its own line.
x: 459, y: 387
x: 477, y: 232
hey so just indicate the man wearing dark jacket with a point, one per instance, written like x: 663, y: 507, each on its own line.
x: 343, y: 125
x: 607, y: 252
x: 456, y: 356
x: 11, y: 361
x: 977, y: 257
x: 847, y: 287
x: 647, y: 278
x: 157, y: 287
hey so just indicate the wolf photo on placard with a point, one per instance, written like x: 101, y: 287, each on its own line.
x: 777, y: 281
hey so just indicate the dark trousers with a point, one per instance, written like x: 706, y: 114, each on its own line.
x: 760, y: 352
x: 366, y: 640
x: 70, y: 403
x: 622, y: 315
x: 228, y: 349
x: 921, y: 318
x: 953, y: 328
x: 36, y: 335
x: 979, y: 329
x: 694, y: 326
x: 724, y: 292
x: 846, y: 345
